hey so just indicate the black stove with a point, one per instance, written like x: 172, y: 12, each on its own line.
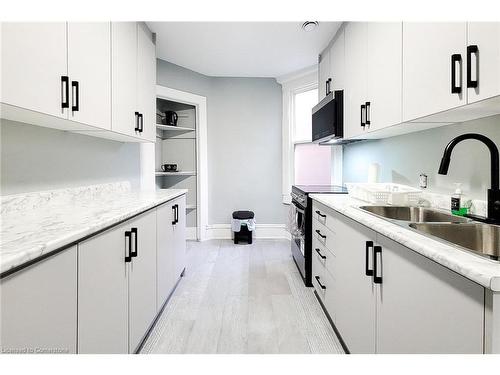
x: 302, y: 228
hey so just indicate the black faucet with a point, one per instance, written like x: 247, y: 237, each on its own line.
x: 494, y: 192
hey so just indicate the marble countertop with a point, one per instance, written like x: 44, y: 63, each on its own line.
x: 483, y: 271
x: 36, y: 224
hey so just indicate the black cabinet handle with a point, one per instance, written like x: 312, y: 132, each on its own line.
x: 141, y: 123
x: 128, y: 235
x: 368, y: 247
x: 320, y: 214
x: 367, y: 113
x: 319, y: 233
x: 64, y: 92
x: 174, y: 211
x: 328, y: 86
x: 319, y: 253
x: 134, y: 253
x: 137, y: 128
x: 470, y: 51
x: 75, y: 90
x: 376, y: 251
x: 319, y: 282
x: 362, y: 116
x: 456, y: 57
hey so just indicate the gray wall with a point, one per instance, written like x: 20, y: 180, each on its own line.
x: 35, y: 158
x: 402, y: 158
x: 244, y: 142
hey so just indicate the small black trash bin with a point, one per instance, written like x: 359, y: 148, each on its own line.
x: 244, y: 232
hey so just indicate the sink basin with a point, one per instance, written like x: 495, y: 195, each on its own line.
x: 413, y: 214
x: 482, y: 238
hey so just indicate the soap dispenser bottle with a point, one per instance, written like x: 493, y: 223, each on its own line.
x: 457, y: 202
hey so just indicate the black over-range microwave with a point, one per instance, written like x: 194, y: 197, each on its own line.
x: 328, y: 117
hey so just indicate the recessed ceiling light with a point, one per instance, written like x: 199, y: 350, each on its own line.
x: 309, y: 25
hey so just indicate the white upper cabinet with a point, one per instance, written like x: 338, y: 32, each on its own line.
x: 124, y: 76
x: 33, y: 64
x: 146, y: 82
x: 337, y: 62
x: 323, y: 73
x: 433, y: 56
x: 384, y: 69
x: 89, y: 71
x: 483, y: 53
x: 133, y: 80
x: 356, y: 73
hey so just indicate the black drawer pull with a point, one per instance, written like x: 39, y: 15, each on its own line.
x: 368, y: 247
x: 320, y: 214
x: 128, y: 235
x: 319, y: 253
x: 134, y: 253
x: 367, y: 113
x: 376, y: 251
x: 319, y: 233
x: 319, y: 282
x: 363, y: 116
x: 75, y: 90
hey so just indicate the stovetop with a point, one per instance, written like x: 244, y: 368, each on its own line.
x: 320, y: 189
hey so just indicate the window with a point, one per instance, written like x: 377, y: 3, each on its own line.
x: 304, y: 163
x: 311, y: 161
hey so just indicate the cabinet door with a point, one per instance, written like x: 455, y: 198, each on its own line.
x: 323, y: 73
x: 180, y: 237
x: 103, y: 293
x: 424, y: 307
x: 165, y: 252
x: 89, y: 67
x: 337, y: 63
x: 38, y: 307
x: 146, y: 82
x: 33, y: 62
x: 355, y: 294
x: 142, y: 284
x: 485, y: 63
x: 427, y: 67
x: 384, y: 58
x: 356, y: 73
x: 124, y: 77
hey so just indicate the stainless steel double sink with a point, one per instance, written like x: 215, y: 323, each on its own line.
x: 480, y: 238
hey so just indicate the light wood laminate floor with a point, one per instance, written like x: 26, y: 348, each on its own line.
x: 242, y: 299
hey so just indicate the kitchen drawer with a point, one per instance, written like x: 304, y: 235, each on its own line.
x: 324, y: 235
x: 324, y: 284
x: 324, y: 256
x: 324, y: 215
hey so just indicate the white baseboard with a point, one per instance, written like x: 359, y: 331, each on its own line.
x: 269, y: 231
x: 191, y: 234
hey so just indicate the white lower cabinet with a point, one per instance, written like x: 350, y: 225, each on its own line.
x: 387, y: 298
x: 103, y: 277
x: 38, y: 310
x: 142, y: 278
x: 423, y: 307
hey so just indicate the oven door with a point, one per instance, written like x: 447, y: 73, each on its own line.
x: 298, y: 232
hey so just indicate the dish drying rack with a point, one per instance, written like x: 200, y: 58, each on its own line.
x: 385, y: 193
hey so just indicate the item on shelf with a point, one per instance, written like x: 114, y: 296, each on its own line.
x: 171, y: 118
x: 384, y: 193
x: 169, y: 168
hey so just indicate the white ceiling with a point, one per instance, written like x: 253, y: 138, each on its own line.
x: 241, y: 49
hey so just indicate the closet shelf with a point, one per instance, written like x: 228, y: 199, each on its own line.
x: 181, y: 173
x: 179, y: 129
